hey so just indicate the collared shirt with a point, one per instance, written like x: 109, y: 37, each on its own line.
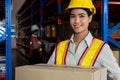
x: 104, y: 59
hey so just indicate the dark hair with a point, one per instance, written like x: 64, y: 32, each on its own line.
x: 86, y: 9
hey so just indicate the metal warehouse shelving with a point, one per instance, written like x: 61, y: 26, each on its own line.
x: 8, y: 40
x: 7, y: 36
x: 104, y: 28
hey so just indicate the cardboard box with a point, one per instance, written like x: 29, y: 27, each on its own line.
x: 56, y: 72
x: 117, y: 55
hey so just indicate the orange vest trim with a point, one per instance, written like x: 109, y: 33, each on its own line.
x: 87, y: 59
x: 61, y: 51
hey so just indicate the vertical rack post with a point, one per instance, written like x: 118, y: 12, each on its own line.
x: 41, y: 11
x: 58, y: 18
x: 31, y: 12
x: 41, y: 19
x: 59, y: 11
x: 104, y: 20
x: 8, y: 40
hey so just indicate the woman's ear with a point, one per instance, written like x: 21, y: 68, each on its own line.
x: 90, y: 18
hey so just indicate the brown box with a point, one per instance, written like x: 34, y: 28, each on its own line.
x: 55, y: 72
x: 117, y: 55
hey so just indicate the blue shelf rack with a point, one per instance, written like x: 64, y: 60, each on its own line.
x: 104, y: 28
x: 8, y: 39
x: 6, y: 35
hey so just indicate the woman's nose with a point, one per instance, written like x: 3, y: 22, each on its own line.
x: 77, y: 20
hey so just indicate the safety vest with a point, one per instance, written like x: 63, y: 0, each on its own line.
x: 31, y: 44
x: 87, y: 59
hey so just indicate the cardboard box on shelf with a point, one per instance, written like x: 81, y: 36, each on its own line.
x: 56, y: 72
x: 116, y: 33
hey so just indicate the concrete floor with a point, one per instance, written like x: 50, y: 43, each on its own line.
x: 18, y: 60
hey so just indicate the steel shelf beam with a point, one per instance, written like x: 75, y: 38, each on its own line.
x: 113, y: 3
x: 8, y: 39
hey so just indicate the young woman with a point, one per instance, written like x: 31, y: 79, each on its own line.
x: 83, y: 49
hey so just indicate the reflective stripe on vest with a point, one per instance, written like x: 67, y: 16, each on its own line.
x: 91, y: 53
x: 61, y: 51
x: 89, y: 56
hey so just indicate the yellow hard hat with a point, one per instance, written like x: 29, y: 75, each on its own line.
x: 82, y: 4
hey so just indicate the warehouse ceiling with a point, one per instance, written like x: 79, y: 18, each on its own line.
x: 2, y: 9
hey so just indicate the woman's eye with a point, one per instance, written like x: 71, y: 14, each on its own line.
x: 81, y: 16
x: 72, y: 16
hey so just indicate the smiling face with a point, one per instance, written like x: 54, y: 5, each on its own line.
x: 79, y: 20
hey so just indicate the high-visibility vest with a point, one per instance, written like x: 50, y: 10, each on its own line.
x: 87, y: 59
x: 31, y: 45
